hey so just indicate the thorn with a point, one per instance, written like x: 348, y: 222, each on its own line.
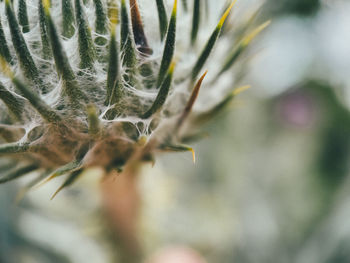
x: 247, y: 39
x: 224, y: 16
x: 240, y: 89
x: 191, y: 101
x: 193, y: 155
x: 57, y: 191
x: 137, y: 27
x: 70, y: 180
x: 174, y: 8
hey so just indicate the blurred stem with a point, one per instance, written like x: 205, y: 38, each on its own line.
x: 121, y: 201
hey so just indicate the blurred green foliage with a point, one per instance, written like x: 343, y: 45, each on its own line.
x: 298, y: 7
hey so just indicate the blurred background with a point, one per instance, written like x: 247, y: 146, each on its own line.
x: 271, y: 182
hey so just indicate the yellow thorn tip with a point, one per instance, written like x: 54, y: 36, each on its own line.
x: 113, y: 16
x: 45, y: 181
x: 224, y: 16
x: 193, y: 155
x: 241, y: 89
x: 205, y: 73
x: 247, y: 39
x: 174, y: 7
x: 5, y: 68
x: 172, y: 66
x: 46, y: 5
x: 57, y: 191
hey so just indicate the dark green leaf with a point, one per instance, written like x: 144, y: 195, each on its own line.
x: 162, y: 94
x: 163, y: 18
x: 67, y: 19
x: 4, y: 50
x: 43, y: 31
x: 113, y: 72
x: 70, y: 87
x: 210, y: 44
x: 195, y: 20
x: 25, y: 59
x: 23, y: 16
x: 13, y: 103
x: 86, y: 47
x: 169, y: 47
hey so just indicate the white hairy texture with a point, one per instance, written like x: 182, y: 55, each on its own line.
x: 212, y: 92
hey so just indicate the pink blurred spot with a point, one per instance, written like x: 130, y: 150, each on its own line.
x: 297, y: 109
x: 176, y: 254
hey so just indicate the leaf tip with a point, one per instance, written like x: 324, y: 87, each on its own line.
x: 174, y: 8
x: 5, y: 68
x: 46, y: 6
x: 172, y: 66
x: 193, y: 155
x: 241, y: 89
x: 57, y: 191
x: 224, y: 16
x: 247, y: 39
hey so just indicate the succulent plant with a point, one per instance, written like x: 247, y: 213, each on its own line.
x: 76, y: 95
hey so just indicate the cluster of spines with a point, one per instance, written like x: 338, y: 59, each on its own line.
x: 133, y: 43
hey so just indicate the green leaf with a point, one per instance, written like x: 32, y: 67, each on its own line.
x: 129, y: 57
x: 70, y: 86
x: 195, y: 20
x: 100, y: 22
x: 238, y: 50
x: 86, y: 48
x: 101, y: 18
x: 25, y: 59
x: 220, y: 107
x: 67, y: 19
x: 162, y: 94
x: 232, y: 58
x: 42, y: 108
x: 4, y: 50
x: 46, y: 49
x: 23, y: 16
x: 210, y: 44
x: 169, y: 47
x: 163, y: 18
x: 113, y: 71
x: 14, y: 103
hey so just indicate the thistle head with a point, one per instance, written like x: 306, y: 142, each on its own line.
x: 81, y: 85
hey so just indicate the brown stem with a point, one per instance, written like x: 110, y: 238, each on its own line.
x: 121, y: 203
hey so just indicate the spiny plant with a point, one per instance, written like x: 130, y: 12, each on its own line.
x: 78, y: 95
